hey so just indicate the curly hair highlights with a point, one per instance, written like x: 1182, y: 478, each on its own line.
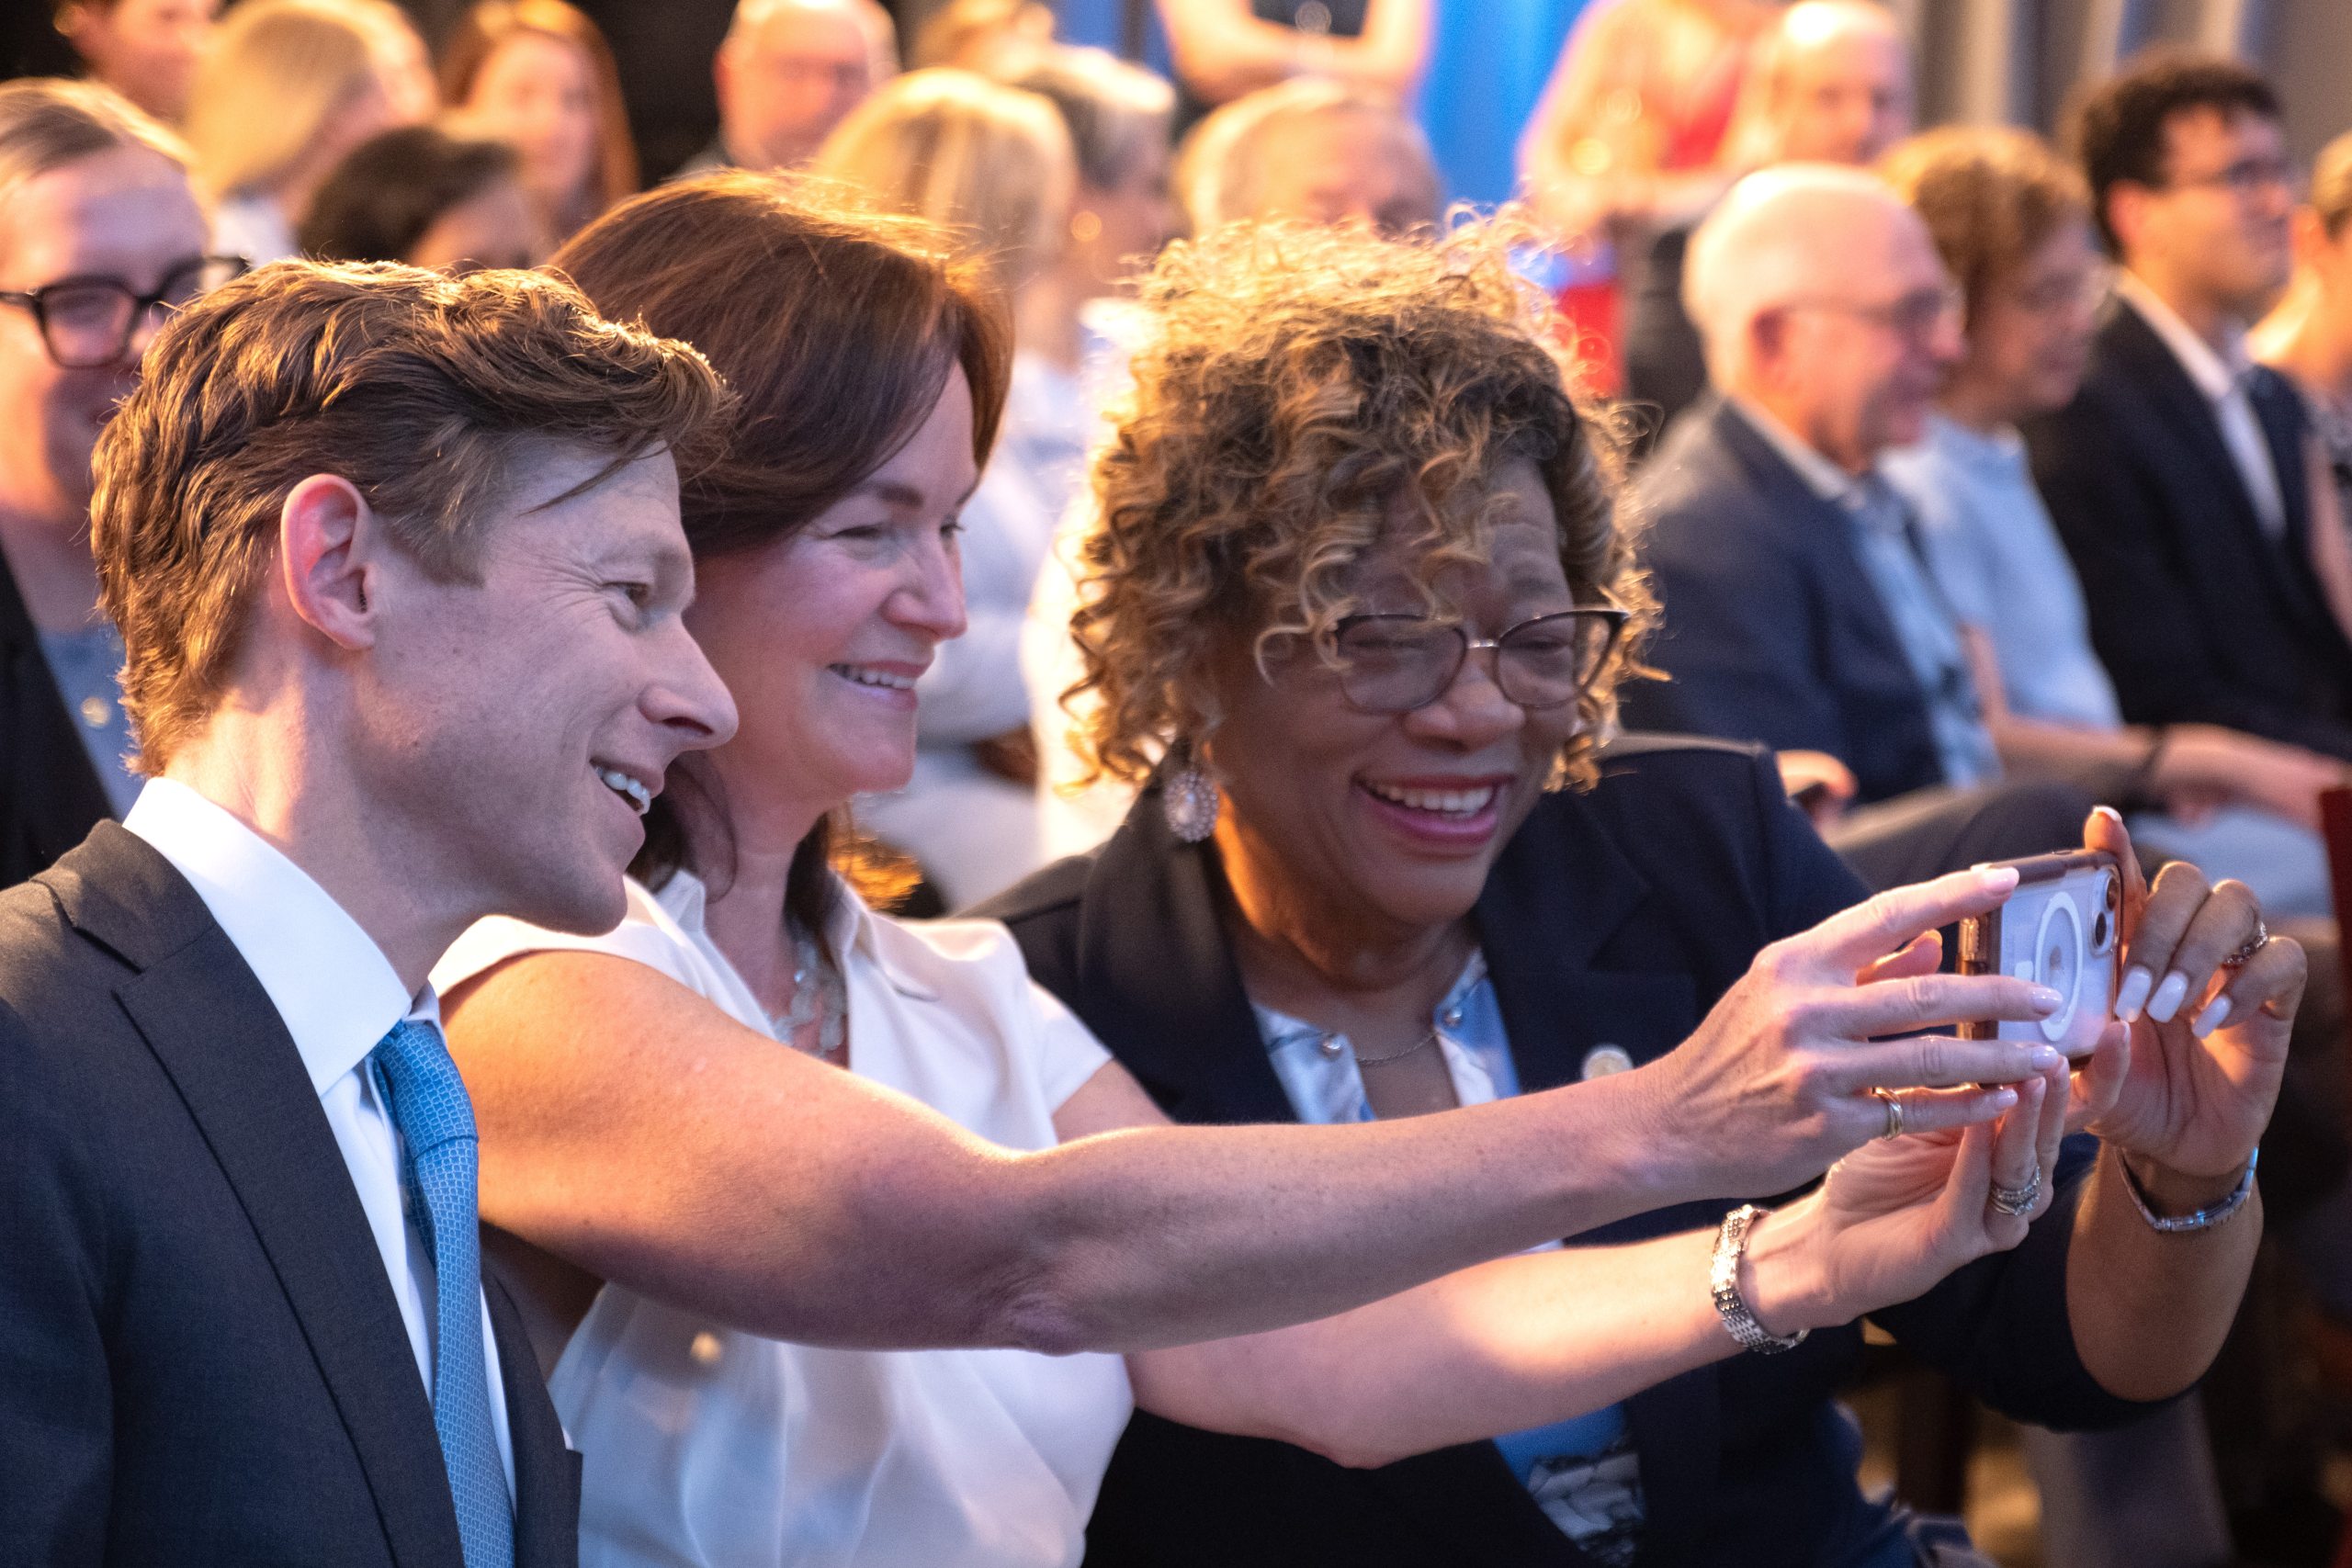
x: 1990, y: 196
x: 418, y: 388
x: 1301, y: 383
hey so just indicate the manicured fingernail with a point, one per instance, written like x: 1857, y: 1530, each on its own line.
x: 2134, y: 994
x: 2216, y: 1013
x: 2047, y: 999
x: 2005, y: 1099
x: 1998, y: 878
x: 2045, y: 1058
x: 2109, y: 812
x: 2168, y: 996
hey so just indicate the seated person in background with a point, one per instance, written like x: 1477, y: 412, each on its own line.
x: 538, y: 76
x: 331, y: 73
x: 1798, y: 610
x: 145, y: 50
x: 1829, y: 83
x: 2012, y: 223
x: 99, y: 230
x: 1355, y: 590
x: 2307, y: 338
x: 995, y: 37
x: 995, y: 164
x: 427, y: 197
x: 2176, y: 476
x: 1225, y: 49
x: 720, y: 1319
x: 1316, y: 152
x: 788, y: 72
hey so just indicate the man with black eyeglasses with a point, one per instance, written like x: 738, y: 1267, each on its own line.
x: 100, y: 231
x: 2178, y: 476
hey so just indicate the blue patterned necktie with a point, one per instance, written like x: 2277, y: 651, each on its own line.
x: 439, y: 1156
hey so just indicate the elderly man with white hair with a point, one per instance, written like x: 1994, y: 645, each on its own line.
x: 1831, y: 82
x: 1799, y: 610
x: 788, y: 72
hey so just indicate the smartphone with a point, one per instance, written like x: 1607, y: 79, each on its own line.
x: 2061, y: 928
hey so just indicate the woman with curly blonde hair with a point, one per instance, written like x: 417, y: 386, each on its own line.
x: 697, y: 1123
x: 1355, y: 613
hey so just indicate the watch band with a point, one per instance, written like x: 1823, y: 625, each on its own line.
x: 1722, y: 1282
x: 2196, y: 1219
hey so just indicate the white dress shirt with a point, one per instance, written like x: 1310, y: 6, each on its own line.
x: 712, y: 1447
x: 2221, y: 378
x: 338, y: 996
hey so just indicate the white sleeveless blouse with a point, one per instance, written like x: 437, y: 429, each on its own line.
x: 707, y: 1446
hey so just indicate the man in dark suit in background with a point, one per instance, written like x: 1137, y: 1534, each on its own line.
x: 2177, y: 476
x: 397, y: 660
x: 1833, y: 86
x: 96, y: 212
x: 1798, y: 608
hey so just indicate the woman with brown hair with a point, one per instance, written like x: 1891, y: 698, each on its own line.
x: 657, y: 1135
x: 538, y: 73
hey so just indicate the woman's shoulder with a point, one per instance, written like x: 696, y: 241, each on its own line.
x: 650, y: 932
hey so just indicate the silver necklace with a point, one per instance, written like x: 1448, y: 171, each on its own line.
x: 818, y: 996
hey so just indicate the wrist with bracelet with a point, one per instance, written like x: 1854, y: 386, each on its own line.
x: 2205, y: 1216
x: 1722, y: 1284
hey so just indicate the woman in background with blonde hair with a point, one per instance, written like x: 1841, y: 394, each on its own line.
x: 289, y: 87
x: 995, y: 164
x: 538, y: 75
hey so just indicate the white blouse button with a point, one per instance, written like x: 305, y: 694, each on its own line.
x: 1603, y: 1060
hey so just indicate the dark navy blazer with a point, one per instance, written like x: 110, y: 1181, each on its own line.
x: 201, y: 1360
x: 2199, y: 615
x: 49, y: 794
x: 1773, y: 631
x: 1613, y: 917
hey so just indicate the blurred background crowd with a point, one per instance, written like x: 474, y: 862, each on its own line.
x: 1986, y: 469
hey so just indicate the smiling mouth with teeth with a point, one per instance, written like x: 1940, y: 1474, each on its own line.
x: 628, y: 788
x: 858, y: 675
x: 1443, y: 802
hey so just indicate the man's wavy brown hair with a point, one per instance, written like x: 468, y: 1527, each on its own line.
x: 420, y: 389
x: 1300, y: 383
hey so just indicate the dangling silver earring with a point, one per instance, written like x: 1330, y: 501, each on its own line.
x: 1189, y: 798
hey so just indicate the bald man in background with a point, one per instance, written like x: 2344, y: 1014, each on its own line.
x: 789, y: 71
x: 1799, y: 611
x: 1831, y: 82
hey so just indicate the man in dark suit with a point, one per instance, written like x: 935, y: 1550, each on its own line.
x: 398, y: 659
x: 95, y: 209
x: 1798, y: 609
x: 1834, y: 87
x: 2177, y: 476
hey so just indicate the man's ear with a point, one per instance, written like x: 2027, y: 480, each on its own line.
x: 327, y: 538
x: 2127, y: 207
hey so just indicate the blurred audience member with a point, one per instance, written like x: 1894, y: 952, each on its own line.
x: 98, y: 229
x: 997, y: 164
x: 289, y: 87
x: 1074, y: 330
x: 1798, y: 610
x: 1321, y: 151
x: 1830, y: 83
x: 2013, y: 225
x: 2307, y: 337
x: 145, y: 50
x: 426, y: 196
x: 537, y: 74
x: 1222, y: 50
x: 2177, y: 476
x: 1630, y: 135
x: 995, y: 37
x: 788, y: 72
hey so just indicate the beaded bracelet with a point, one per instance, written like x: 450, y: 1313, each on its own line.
x: 2196, y: 1220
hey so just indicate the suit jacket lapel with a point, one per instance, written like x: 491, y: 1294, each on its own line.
x: 213, y: 1030
x: 547, y: 1468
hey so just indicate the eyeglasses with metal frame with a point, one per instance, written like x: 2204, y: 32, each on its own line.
x: 1395, y: 663
x: 87, y: 323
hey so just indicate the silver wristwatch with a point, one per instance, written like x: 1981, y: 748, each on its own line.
x: 1722, y: 1282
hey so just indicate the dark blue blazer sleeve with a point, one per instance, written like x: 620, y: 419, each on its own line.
x: 56, y: 1441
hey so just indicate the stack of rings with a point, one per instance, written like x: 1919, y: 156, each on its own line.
x: 2254, y: 944
x: 2018, y: 1200
x: 1893, y: 1104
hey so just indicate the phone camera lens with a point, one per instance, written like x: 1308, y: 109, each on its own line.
x: 2102, y: 930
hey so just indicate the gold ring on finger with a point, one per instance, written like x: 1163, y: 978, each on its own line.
x: 1893, y: 1104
